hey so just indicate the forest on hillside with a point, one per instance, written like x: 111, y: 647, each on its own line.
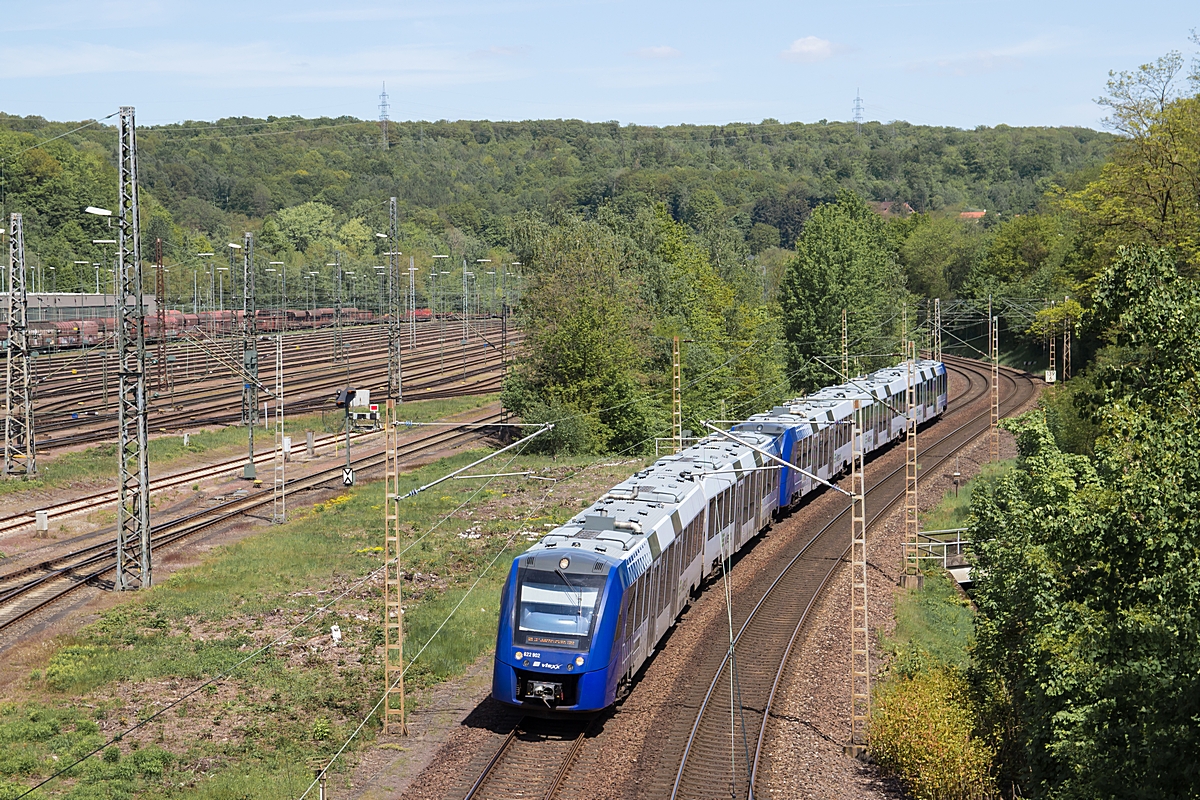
x: 748, y: 242
x: 461, y: 183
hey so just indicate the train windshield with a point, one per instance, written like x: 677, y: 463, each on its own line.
x: 556, y: 607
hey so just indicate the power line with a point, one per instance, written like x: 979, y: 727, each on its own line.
x: 383, y: 115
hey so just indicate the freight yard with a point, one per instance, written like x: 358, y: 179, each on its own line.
x: 158, y: 397
x: 427, y: 457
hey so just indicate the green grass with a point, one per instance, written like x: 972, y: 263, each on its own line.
x: 954, y: 509
x: 99, y: 463
x: 923, y: 719
x: 933, y: 622
x: 254, y: 731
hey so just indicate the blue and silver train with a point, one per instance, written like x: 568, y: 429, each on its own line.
x: 584, y: 608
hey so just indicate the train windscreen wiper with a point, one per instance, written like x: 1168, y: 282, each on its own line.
x: 578, y: 594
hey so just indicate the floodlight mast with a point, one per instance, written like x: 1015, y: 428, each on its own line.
x: 395, y: 362
x: 249, y: 353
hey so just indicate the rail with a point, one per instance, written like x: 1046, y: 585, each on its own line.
x: 781, y: 614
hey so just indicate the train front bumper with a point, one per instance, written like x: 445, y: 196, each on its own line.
x: 572, y: 692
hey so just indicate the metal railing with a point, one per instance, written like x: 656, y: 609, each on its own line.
x: 940, y: 546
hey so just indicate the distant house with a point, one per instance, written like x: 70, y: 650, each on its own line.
x: 974, y: 216
x: 891, y: 208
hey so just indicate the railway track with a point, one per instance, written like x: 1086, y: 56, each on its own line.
x: 709, y: 767
x: 22, y: 519
x: 30, y: 590
x: 63, y: 378
x: 535, y: 762
x: 532, y: 761
x: 218, y: 400
x: 75, y: 377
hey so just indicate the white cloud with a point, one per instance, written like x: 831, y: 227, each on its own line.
x: 660, y: 51
x: 1009, y: 57
x: 809, y: 49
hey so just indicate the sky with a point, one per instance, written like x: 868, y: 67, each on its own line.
x: 962, y: 63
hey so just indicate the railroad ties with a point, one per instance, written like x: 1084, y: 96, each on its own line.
x: 724, y: 753
x: 26, y: 591
x: 532, y: 761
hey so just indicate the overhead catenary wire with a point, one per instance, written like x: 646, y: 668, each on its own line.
x: 282, y: 637
x: 314, y: 613
x: 508, y: 542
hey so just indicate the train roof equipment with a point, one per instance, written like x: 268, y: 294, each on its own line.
x: 634, y: 521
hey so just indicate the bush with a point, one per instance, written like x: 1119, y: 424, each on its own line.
x: 570, y: 435
x: 921, y: 721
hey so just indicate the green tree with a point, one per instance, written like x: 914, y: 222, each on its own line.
x: 939, y: 254
x: 304, y: 225
x: 1149, y: 190
x: 844, y: 260
x: 1089, y: 569
x: 585, y: 334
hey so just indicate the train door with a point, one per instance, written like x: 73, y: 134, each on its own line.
x: 673, y: 575
x: 639, y: 648
x: 661, y: 620
x: 826, y: 452
x: 711, y: 542
x: 628, y: 625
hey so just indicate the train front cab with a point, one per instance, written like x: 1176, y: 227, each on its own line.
x: 558, y: 621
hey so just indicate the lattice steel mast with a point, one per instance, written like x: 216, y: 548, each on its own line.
x: 393, y: 612
x: 249, y: 352
x: 1052, y: 372
x: 279, y: 495
x: 395, y: 363
x: 845, y: 348
x: 912, y: 570
x: 133, y: 471
x: 676, y: 395
x: 1066, y: 353
x: 338, y: 354
x: 860, y: 662
x: 412, y: 303
x: 20, y: 450
x: 994, y: 348
x: 160, y: 308
x: 937, y: 329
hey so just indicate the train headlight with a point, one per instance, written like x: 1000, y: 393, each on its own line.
x: 579, y: 661
x: 563, y: 563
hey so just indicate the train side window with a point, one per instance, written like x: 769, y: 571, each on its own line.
x: 712, y: 518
